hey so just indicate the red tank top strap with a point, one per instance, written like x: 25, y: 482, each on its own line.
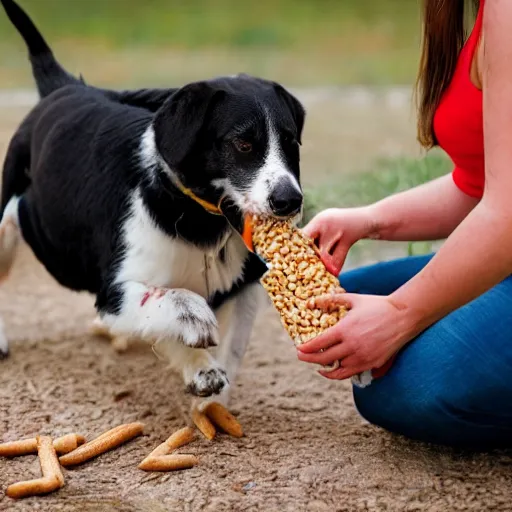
x: 474, y: 37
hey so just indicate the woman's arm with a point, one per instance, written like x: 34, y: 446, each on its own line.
x: 478, y: 254
x: 427, y: 212
x: 475, y: 257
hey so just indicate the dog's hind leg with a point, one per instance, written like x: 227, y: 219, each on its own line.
x: 4, y: 343
x: 9, y: 237
x: 119, y: 343
x: 15, y: 182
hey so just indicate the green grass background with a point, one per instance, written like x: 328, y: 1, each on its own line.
x: 388, y: 177
x: 231, y: 23
x: 300, y: 41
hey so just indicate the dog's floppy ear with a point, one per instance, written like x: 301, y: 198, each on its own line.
x: 178, y: 123
x: 295, y: 107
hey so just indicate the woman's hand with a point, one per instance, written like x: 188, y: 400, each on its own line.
x: 373, y: 330
x: 335, y: 231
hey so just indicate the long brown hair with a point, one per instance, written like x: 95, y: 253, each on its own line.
x: 445, y: 24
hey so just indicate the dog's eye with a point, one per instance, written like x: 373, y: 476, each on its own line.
x: 243, y: 146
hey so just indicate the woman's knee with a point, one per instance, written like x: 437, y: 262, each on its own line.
x: 418, y: 415
x: 396, y: 410
x: 456, y: 415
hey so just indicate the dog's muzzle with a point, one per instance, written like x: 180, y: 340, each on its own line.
x: 286, y: 199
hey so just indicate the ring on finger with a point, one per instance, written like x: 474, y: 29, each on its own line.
x: 333, y: 366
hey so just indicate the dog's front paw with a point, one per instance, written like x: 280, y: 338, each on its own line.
x: 197, y: 324
x: 208, y: 382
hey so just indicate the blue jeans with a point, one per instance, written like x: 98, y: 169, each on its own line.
x: 452, y: 384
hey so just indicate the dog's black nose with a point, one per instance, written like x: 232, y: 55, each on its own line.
x: 285, y: 200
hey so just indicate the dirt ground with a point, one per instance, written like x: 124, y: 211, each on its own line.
x: 305, y: 447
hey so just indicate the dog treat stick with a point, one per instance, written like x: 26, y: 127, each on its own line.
x: 52, y: 480
x: 62, y: 445
x: 48, y: 459
x: 202, y: 422
x: 169, y: 462
x: 32, y: 488
x: 296, y: 275
x: 112, y: 431
x: 180, y: 438
x: 17, y: 448
x: 103, y: 443
x: 161, y: 449
x: 221, y: 417
x: 160, y: 457
x: 68, y: 443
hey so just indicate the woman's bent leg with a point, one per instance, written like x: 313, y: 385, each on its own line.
x: 452, y: 385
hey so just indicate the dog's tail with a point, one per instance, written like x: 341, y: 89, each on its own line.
x: 49, y: 75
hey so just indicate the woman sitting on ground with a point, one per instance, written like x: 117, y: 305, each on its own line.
x: 442, y: 323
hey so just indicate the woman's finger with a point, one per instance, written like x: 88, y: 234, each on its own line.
x: 328, y: 300
x: 312, y: 229
x: 338, y: 258
x: 323, y: 341
x: 329, y: 356
x: 341, y: 373
x: 337, y: 374
x: 330, y: 264
x: 332, y: 244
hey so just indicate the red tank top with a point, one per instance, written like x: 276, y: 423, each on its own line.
x: 458, y: 121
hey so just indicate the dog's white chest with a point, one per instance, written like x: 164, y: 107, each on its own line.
x: 201, y: 272
x: 156, y: 259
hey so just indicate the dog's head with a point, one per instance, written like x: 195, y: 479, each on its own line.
x: 238, y: 138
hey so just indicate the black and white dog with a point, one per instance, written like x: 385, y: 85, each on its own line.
x: 116, y: 193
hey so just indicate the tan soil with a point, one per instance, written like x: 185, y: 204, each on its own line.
x: 305, y: 448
